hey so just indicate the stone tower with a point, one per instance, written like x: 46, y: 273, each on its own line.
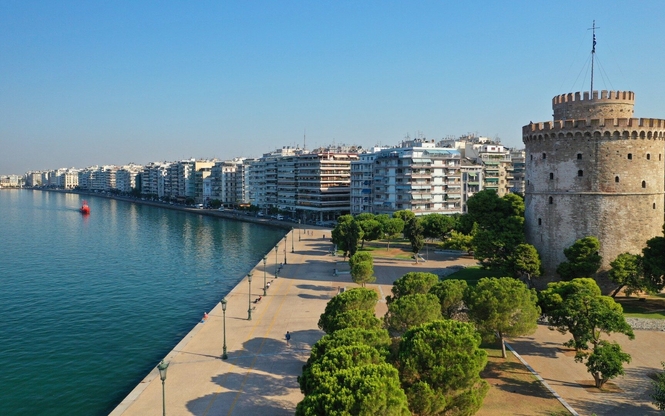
x: 593, y: 171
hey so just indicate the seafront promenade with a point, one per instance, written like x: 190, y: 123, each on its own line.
x: 260, y: 375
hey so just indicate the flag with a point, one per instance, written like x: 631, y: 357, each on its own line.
x: 594, y: 43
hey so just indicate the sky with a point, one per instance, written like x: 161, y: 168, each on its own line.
x: 112, y: 82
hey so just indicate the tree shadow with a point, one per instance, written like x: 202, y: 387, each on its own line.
x: 315, y: 287
x: 319, y: 297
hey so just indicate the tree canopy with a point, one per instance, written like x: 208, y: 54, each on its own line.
x: 347, y: 234
x: 412, y: 283
x: 606, y: 362
x: 392, y: 228
x: 365, y: 390
x: 362, y: 268
x: 583, y: 259
x: 627, y: 272
x: 653, y: 258
x: 411, y: 310
x: 437, y: 225
x: 503, y: 307
x: 413, y: 230
x: 525, y: 263
x: 578, y: 307
x: 357, y: 298
x: 440, y: 364
x: 451, y: 294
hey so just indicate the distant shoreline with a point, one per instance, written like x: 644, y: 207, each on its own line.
x: 227, y: 214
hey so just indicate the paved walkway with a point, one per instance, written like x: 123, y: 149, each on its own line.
x: 545, y: 353
x: 260, y: 375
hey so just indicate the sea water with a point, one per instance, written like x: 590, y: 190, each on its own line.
x: 89, y: 304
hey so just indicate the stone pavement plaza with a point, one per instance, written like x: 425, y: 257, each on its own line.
x: 260, y: 375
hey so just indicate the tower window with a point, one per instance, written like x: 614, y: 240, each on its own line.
x: 551, y: 175
x: 579, y: 156
x: 540, y: 220
x: 531, y: 157
x: 544, y: 155
x: 648, y: 156
x: 580, y: 173
x: 660, y: 157
x: 630, y: 156
x: 551, y: 200
x: 644, y: 184
x: 654, y: 205
x: 616, y: 179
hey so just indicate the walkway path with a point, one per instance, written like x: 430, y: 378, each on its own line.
x: 260, y: 375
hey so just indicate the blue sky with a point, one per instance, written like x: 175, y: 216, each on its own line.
x: 113, y: 82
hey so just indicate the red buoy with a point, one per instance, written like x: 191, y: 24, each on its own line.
x: 85, y: 209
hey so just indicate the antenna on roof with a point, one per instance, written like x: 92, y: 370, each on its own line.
x: 593, y: 53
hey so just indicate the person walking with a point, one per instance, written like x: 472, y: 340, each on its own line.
x: 288, y: 337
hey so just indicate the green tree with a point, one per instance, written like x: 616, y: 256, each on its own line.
x: 347, y: 356
x: 357, y: 298
x: 366, y: 390
x: 437, y: 225
x: 658, y: 395
x: 583, y: 259
x: 525, y: 263
x: 404, y: 215
x: 411, y: 310
x: 361, y: 256
x: 459, y: 241
x: 362, y: 273
x: 372, y: 230
x: 346, y: 234
x: 451, y: 296
x: 412, y: 283
x: 356, y: 318
x: 606, y: 362
x: 443, y: 359
x: 392, y: 228
x: 379, y: 339
x: 626, y: 271
x: 578, y: 307
x: 503, y: 307
x: 653, y: 262
x: 414, y: 232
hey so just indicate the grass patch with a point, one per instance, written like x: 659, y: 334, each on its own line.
x: 513, y: 389
x: 650, y: 307
x: 473, y: 274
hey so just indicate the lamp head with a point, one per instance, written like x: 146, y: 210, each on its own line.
x: 223, y: 302
x: 249, y: 277
x: 162, y: 366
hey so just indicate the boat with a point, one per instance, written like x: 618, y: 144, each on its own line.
x: 85, y: 209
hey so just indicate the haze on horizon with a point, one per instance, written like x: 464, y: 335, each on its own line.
x: 86, y: 83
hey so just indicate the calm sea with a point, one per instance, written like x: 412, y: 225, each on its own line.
x: 88, y: 305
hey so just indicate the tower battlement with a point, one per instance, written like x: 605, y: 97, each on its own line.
x: 578, y: 105
x: 622, y: 124
x: 612, y: 96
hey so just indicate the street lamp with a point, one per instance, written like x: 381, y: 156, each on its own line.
x: 265, y: 259
x: 249, y: 311
x: 162, y: 366
x: 285, y: 248
x: 224, y: 356
x: 276, y: 249
x: 292, y: 249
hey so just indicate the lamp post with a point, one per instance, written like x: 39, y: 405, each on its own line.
x: 249, y: 311
x: 162, y: 366
x: 224, y: 356
x: 299, y: 231
x: 292, y: 249
x: 285, y: 248
x: 265, y: 259
x: 276, y: 252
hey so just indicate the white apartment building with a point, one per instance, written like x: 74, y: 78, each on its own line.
x: 418, y: 176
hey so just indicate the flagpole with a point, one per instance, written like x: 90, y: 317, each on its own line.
x: 593, y: 53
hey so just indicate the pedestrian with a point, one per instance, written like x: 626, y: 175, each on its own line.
x: 288, y: 337
x: 205, y: 317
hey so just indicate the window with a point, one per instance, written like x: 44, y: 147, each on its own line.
x: 551, y: 176
x: 644, y: 184
x: 630, y: 156
x: 540, y: 221
x: 648, y: 156
x: 580, y: 173
x: 544, y: 155
x: 551, y: 200
x: 660, y: 157
x: 531, y: 157
x: 616, y: 179
x: 579, y: 156
x: 654, y: 205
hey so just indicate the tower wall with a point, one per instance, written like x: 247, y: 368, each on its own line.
x: 593, y: 177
